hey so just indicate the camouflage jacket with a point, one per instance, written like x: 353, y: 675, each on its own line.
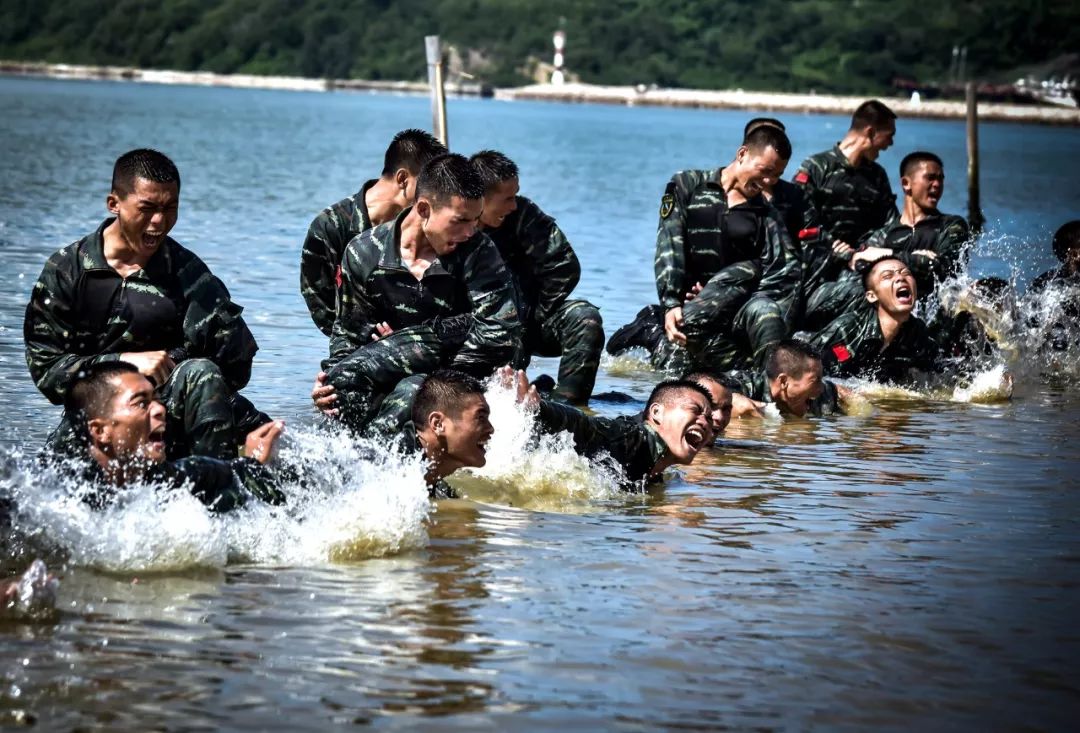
x: 82, y: 312
x: 472, y: 280
x: 843, y: 202
x: 699, y: 235
x: 320, y: 259
x: 541, y: 260
x: 632, y: 444
x: 789, y: 202
x: 755, y: 385
x: 853, y: 346
x: 945, y: 234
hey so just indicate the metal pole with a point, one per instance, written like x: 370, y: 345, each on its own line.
x: 975, y: 215
x: 438, y: 92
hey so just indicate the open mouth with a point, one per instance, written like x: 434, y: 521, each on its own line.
x: 695, y: 437
x: 904, y: 295
x: 150, y: 241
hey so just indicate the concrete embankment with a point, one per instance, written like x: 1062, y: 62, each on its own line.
x: 780, y: 102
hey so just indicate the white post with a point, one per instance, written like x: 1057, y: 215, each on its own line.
x: 438, y: 92
x: 557, y: 76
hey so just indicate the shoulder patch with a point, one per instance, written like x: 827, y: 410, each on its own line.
x: 802, y: 177
x: 667, y: 205
x: 841, y: 352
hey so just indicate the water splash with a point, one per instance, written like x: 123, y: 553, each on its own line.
x: 540, y: 474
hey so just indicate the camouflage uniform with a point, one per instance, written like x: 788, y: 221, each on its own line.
x: 743, y: 256
x: 755, y: 385
x: 853, y: 346
x: 789, y: 201
x: 945, y: 234
x: 545, y: 271
x: 842, y: 203
x: 82, y: 312
x: 632, y: 444
x: 324, y: 246
x: 460, y: 314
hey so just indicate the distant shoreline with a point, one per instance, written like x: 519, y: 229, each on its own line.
x: 577, y: 93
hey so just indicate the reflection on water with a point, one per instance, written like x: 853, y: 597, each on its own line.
x: 913, y: 564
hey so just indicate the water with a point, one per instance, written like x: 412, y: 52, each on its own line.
x: 914, y: 566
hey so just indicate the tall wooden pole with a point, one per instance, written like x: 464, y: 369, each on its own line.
x: 975, y: 215
x: 438, y: 92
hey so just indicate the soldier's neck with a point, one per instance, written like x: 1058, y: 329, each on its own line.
x: 890, y: 324
x: 913, y: 213
x: 383, y: 201
x: 727, y: 182
x: 854, y: 147
x: 123, y: 256
x: 416, y: 253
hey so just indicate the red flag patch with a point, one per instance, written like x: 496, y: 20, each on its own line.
x: 808, y: 233
x: 337, y: 276
x: 802, y: 177
x: 841, y: 352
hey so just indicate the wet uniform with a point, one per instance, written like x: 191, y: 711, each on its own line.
x: 460, y: 314
x: 844, y: 203
x: 545, y: 271
x: 82, y: 312
x: 755, y: 385
x: 852, y: 346
x: 945, y: 234
x: 324, y: 246
x: 632, y: 444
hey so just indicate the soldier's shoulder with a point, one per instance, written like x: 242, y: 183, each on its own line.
x: 692, y: 178
x: 821, y: 159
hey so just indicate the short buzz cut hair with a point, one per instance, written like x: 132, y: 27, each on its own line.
x: 763, y: 121
x: 665, y: 392
x: 449, y: 175
x: 698, y: 376
x: 767, y: 136
x: 869, y: 268
x: 494, y: 168
x: 145, y: 163
x: 919, y: 156
x: 443, y: 391
x: 1066, y: 238
x: 790, y: 356
x: 872, y: 113
x: 91, y: 390
x: 411, y: 149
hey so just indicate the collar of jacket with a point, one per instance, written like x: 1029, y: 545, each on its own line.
x: 92, y: 253
x: 388, y: 238
x: 656, y: 445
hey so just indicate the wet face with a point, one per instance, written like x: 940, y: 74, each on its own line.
x: 145, y: 215
x: 463, y: 436
x: 499, y: 201
x: 881, y: 139
x: 892, y: 287
x: 796, y: 393
x: 720, y: 415
x: 133, y: 427
x: 452, y: 223
x: 757, y: 171
x: 925, y: 184
x: 683, y: 422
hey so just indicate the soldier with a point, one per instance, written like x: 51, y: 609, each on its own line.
x: 422, y: 291
x: 884, y: 342
x: 721, y: 394
x: 675, y: 427
x: 377, y: 201
x: 129, y: 292
x: 932, y: 243
x: 1066, y: 248
x: 792, y: 380
x: 545, y: 272
x: 1066, y: 280
x: 726, y: 270
x: 785, y: 196
x: 847, y: 196
x: 120, y: 426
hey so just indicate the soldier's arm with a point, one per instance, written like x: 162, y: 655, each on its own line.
x: 319, y: 261
x: 670, y: 261
x: 557, y: 268
x: 588, y: 432
x: 223, y: 486
x: 952, y: 248
x: 48, y: 328
x: 781, y: 269
x: 887, y: 212
x: 834, y: 343
x: 496, y: 327
x: 811, y: 179
x: 357, y: 315
x: 213, y: 325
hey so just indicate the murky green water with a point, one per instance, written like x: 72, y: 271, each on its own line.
x: 913, y: 568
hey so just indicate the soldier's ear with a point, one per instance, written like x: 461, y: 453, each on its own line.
x: 871, y: 296
x: 437, y: 422
x: 905, y: 184
x: 656, y: 411
x: 112, y: 203
x: 423, y: 208
x: 401, y: 178
x: 99, y: 430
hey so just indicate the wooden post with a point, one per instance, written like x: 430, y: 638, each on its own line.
x: 438, y: 92
x: 975, y: 215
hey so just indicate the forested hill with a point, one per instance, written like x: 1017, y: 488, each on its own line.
x: 856, y: 46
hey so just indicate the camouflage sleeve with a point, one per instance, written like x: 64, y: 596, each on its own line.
x: 885, y: 205
x: 876, y: 238
x: 213, y: 325
x: 670, y: 260
x: 811, y: 178
x: 496, y: 328
x: 356, y: 318
x: 557, y: 268
x: 318, y: 273
x: 952, y: 248
x: 48, y: 328
x: 833, y: 343
x: 781, y: 269
x: 223, y: 486
x: 588, y: 432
